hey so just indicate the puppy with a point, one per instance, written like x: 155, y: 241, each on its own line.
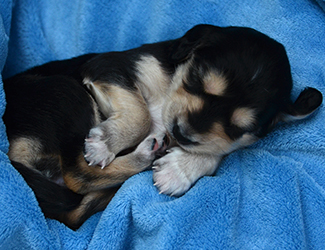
x: 202, y: 96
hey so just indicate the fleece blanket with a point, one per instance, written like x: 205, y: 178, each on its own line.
x: 270, y: 195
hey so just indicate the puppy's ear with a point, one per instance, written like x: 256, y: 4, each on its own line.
x: 307, y: 102
x: 183, y: 48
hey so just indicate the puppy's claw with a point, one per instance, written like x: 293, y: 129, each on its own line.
x: 173, y: 193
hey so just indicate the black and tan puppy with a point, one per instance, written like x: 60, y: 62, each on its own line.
x: 206, y: 94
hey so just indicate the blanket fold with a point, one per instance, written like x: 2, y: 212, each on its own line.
x: 270, y: 195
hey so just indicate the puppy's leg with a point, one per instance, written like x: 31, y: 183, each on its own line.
x: 127, y: 124
x: 92, y: 203
x: 82, y: 179
x: 177, y: 171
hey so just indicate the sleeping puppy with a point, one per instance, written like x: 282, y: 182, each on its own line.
x: 202, y: 96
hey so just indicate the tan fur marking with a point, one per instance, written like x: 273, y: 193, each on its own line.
x: 25, y: 150
x: 243, y: 117
x: 126, y: 111
x: 116, y: 173
x: 221, y: 142
x: 180, y: 76
x: 75, y: 218
x: 179, y: 105
x: 72, y: 179
x: 127, y: 101
x: 185, y: 100
x: 130, y: 118
x: 218, y: 129
x: 215, y: 84
x: 112, y: 98
x: 96, y: 119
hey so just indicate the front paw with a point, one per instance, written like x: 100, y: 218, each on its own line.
x: 96, y: 150
x: 169, y: 173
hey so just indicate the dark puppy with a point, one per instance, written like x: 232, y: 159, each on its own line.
x: 208, y: 93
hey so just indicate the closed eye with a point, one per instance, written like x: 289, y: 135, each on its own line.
x: 181, y: 139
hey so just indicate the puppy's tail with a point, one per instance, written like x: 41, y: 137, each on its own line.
x: 307, y: 102
x: 53, y: 199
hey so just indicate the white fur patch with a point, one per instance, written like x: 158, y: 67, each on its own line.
x: 177, y: 171
x: 97, y: 150
x: 152, y: 80
x: 180, y: 76
x: 153, y: 83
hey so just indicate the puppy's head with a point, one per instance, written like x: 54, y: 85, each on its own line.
x: 231, y: 86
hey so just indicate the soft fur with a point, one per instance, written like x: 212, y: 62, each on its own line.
x: 210, y: 92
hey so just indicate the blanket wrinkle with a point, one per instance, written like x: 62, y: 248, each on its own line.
x: 270, y: 195
x: 321, y: 4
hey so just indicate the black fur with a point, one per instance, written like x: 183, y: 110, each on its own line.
x: 56, y: 110
x: 242, y: 53
x: 53, y: 199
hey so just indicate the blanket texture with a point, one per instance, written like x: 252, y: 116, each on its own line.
x: 268, y: 196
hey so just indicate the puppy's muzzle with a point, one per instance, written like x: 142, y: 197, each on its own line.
x: 164, y: 146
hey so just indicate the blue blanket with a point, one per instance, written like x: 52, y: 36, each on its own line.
x: 268, y: 196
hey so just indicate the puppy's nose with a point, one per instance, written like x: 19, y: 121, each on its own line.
x: 180, y: 137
